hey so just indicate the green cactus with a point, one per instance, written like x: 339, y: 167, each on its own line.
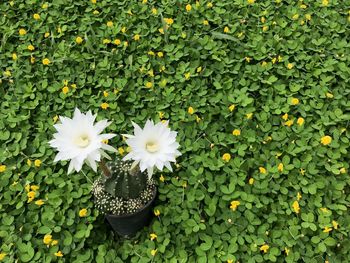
x: 124, y: 180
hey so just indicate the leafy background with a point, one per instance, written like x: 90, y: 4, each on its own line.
x: 270, y: 52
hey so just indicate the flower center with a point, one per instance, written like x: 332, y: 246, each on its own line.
x: 152, y: 146
x: 82, y: 141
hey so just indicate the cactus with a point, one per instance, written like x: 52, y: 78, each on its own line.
x: 124, y: 180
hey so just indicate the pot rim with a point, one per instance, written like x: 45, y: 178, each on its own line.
x: 138, y: 211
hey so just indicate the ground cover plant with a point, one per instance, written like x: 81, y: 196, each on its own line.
x: 258, y: 91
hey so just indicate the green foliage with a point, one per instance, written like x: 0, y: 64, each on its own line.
x: 270, y: 52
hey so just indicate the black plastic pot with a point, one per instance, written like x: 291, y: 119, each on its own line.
x: 129, y: 224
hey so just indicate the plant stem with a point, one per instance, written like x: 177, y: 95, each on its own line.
x: 105, y: 169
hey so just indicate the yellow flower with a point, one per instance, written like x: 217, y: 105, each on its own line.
x: 265, y: 28
x: 286, y: 250
x: 324, y: 209
x: 280, y: 167
x: 31, y: 47
x: 39, y: 202
x: 156, y: 212
x: 154, y: 11
x: 263, y: 19
x: 153, y: 236
x: 199, y: 69
x: 104, y: 105
x: 236, y: 132
x: 31, y: 195
x: 169, y: 21
x: 34, y: 187
x: 290, y: 66
x: 327, y: 229
x: 188, y: 7
x: 109, y: 23
x: 210, y: 5
x: 160, y: 54
x: 264, y: 248
x: 294, y: 101
x: 59, y: 254
x: 83, y: 212
x: 2, y: 168
x: 123, y: 29
x: 121, y: 150
x: 300, y: 121
x: 137, y: 37
x: 235, y: 204
x: 32, y: 59
x: 295, y: 16
x: 117, y: 42
x: 149, y: 85
x: 325, y: 140
x: 36, y: 16
x: 285, y: 116
x: 161, y: 178
x: 22, y: 32
x: 106, y: 41
x: 226, y: 29
x: 249, y: 115
x: 226, y: 157
x: 14, y: 56
x: 302, y: 171
x: 7, y: 73
x: 342, y: 170
x: 329, y: 95
x: 105, y: 141
x: 65, y: 90
x: 289, y: 123
x: 79, y: 40
x: 262, y: 170
x: 2, y: 255
x: 248, y: 59
x: 308, y: 17
x: 153, y: 252
x: 190, y: 110
x: 187, y: 75
x: 251, y: 181
x: 231, y: 107
x: 44, y: 6
x: 325, y: 2
x: 47, y: 239
x: 161, y: 30
x: 47, y: 34
x: 198, y: 119
x: 205, y: 22
x: 299, y: 196
x: 54, y: 242
x: 273, y: 60
x: 93, y: 1
x: 37, y: 163
x: 335, y: 224
x: 105, y: 94
x: 229, y: 261
x: 296, y: 207
x: 46, y: 61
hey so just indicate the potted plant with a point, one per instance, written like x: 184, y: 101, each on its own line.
x: 124, y: 192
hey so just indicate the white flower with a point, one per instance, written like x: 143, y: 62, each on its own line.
x: 154, y: 145
x: 79, y: 140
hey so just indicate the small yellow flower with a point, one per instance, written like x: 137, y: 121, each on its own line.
x: 109, y: 23
x: 263, y: 19
x: 2, y: 255
x: 324, y: 209
x: 65, y: 90
x: 280, y: 59
x: 34, y: 187
x: 93, y: 1
x: 149, y: 85
x: 299, y: 196
x: 123, y: 29
x: 121, y: 150
x: 294, y: 101
x: 199, y: 69
x: 329, y: 95
x: 46, y: 61
x: 302, y: 171
x: 161, y: 30
x: 300, y: 121
x: 198, y: 119
x: 161, y: 178
x: 59, y: 254
x: 154, y: 11
x: 169, y: 21
x: 226, y: 29
x: 236, y: 132
x: 105, y: 94
x: 235, y: 204
x: 295, y: 16
x: 325, y: 2
x: 160, y: 54
x: 264, y: 248
x: 226, y: 157
x: 31, y: 195
x: 156, y: 212
x: 210, y: 5
x: 37, y: 163
x: 251, y: 181
x: 188, y: 7
x: 286, y: 250
x: 117, y: 42
x: 325, y: 140
x: 327, y: 229
x: 137, y: 37
x: 285, y: 116
x: 39, y: 202
x: 153, y: 236
x: 7, y: 73
x: 83, y: 212
x: 289, y: 123
x: 47, y: 34
x: 22, y: 32
x: 308, y: 17
x: 153, y: 252
x: 249, y: 115
x: 54, y: 242
x: 36, y: 16
x: 104, y: 105
x: 190, y: 110
x: 187, y: 75
x: 44, y: 6
x: 79, y: 40
x: 47, y: 239
x: 105, y: 141
x: 335, y: 224
x: 342, y: 170
x: 31, y: 47
x: 231, y: 107
x: 229, y: 261
x: 280, y: 167
x: 296, y: 207
x: 262, y: 170
x: 2, y: 168
x: 273, y: 60
x: 14, y: 56
x: 265, y: 28
x: 205, y: 22
x: 290, y: 66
